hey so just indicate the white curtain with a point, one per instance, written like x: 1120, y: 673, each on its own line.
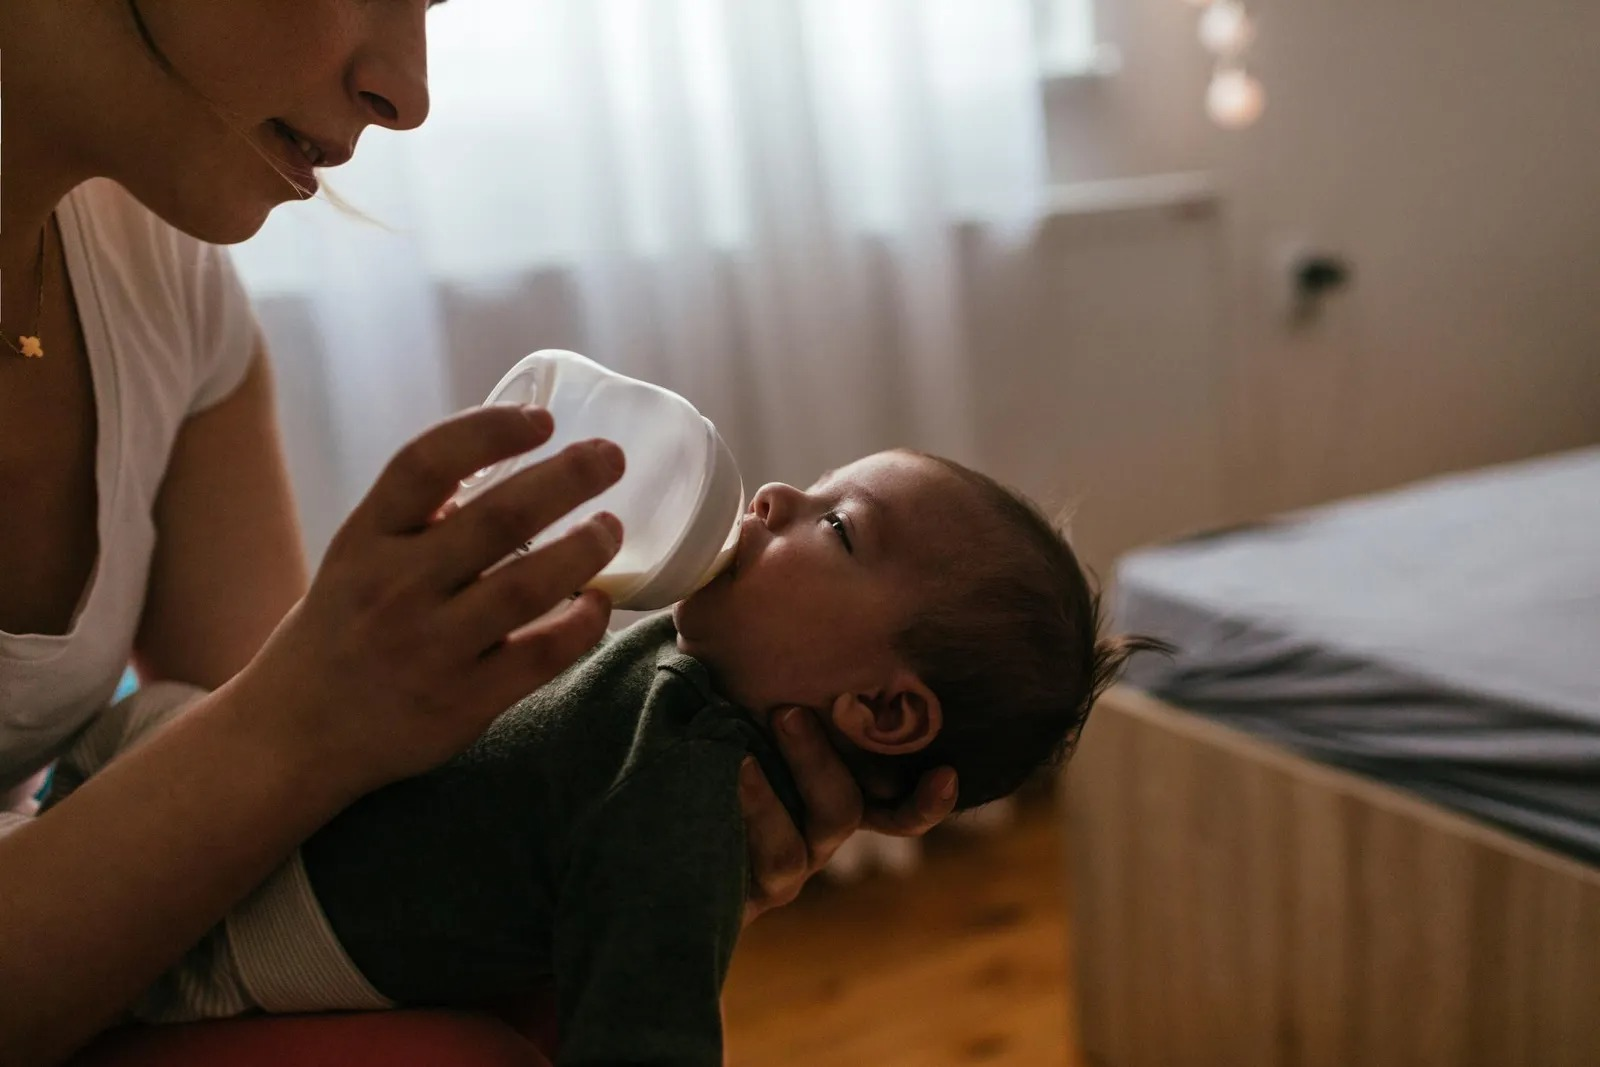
x: 757, y: 203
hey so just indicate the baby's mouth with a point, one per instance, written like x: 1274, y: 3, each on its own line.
x: 742, y: 544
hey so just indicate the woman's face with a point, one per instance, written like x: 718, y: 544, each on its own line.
x: 261, y: 91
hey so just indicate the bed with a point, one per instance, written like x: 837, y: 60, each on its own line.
x: 1357, y: 818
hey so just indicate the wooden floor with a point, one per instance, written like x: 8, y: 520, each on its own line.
x: 964, y: 962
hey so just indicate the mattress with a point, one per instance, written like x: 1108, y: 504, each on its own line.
x: 1444, y: 638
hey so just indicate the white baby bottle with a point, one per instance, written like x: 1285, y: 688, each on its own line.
x: 681, y: 498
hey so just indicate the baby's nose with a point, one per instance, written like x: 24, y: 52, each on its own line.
x: 772, y: 503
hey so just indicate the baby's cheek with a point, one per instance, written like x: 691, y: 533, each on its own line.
x: 716, y: 617
x: 698, y: 623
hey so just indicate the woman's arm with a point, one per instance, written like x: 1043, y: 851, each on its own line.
x: 400, y: 654
x: 227, y: 568
x: 107, y: 890
x: 228, y: 562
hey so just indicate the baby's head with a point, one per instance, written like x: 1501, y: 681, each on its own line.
x: 927, y: 614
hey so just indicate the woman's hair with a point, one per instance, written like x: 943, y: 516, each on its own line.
x: 1013, y: 649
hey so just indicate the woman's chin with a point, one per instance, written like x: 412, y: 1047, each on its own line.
x: 230, y: 223
x: 223, y: 221
x: 223, y: 210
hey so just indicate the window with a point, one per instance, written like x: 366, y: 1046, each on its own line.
x: 1069, y: 46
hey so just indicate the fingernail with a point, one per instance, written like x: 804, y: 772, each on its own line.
x: 539, y: 416
x: 792, y: 722
x: 748, y: 775
x: 948, y: 790
x: 611, y: 456
x: 611, y: 525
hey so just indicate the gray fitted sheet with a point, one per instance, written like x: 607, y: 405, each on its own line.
x: 1444, y: 638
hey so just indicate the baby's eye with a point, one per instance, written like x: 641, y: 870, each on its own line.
x: 834, y: 519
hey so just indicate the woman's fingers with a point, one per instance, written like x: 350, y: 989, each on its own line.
x: 831, y: 795
x: 930, y: 805
x: 487, y: 529
x: 427, y: 471
x: 401, y: 602
x: 779, y: 860
x: 525, y: 589
x: 542, y: 651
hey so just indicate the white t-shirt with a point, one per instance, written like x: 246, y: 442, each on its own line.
x: 169, y: 332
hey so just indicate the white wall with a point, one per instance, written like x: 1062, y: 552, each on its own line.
x: 1449, y: 149
x: 1104, y: 373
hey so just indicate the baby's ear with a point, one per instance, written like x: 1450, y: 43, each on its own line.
x: 902, y: 717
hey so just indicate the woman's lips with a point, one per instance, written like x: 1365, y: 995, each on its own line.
x: 309, y: 149
x: 303, y: 154
x: 298, y: 156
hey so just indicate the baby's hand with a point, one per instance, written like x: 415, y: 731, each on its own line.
x: 781, y: 861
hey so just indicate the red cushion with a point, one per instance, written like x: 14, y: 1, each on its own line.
x: 368, y: 1039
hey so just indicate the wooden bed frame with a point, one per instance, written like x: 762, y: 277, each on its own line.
x: 1238, y: 905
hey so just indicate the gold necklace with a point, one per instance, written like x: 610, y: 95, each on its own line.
x: 30, y: 346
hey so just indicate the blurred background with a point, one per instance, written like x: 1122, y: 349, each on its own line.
x: 1172, y: 265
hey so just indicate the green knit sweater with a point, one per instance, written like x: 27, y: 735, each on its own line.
x: 593, y: 835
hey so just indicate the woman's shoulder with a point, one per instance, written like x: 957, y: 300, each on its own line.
x: 127, y: 234
x: 176, y: 297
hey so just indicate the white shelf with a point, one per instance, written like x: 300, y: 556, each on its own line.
x: 1181, y: 191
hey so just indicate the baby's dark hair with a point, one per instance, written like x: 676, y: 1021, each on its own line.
x: 1013, y: 650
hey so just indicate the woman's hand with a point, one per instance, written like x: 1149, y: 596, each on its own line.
x: 781, y: 861
x: 404, y: 650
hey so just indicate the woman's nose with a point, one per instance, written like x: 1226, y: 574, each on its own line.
x: 390, y: 79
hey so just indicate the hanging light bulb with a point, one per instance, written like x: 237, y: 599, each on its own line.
x: 1234, y: 99
x: 1226, y: 29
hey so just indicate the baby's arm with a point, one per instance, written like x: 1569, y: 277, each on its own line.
x: 650, y: 910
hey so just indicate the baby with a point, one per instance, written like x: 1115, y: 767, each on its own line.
x: 926, y: 615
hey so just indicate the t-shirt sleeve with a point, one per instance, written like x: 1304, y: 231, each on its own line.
x: 649, y: 914
x: 225, y: 330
